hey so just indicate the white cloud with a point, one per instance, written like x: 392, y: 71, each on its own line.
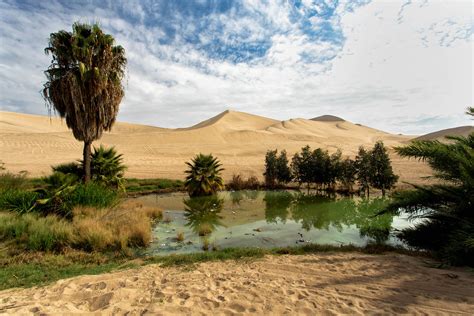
x: 402, y: 68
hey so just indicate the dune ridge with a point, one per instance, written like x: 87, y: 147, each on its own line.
x: 240, y: 140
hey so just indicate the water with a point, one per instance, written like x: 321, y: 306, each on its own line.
x: 268, y: 219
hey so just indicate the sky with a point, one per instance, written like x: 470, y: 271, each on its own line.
x: 400, y: 66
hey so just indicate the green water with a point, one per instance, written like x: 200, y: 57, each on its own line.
x: 268, y: 219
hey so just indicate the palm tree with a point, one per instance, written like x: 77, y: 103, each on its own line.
x: 107, y: 167
x: 84, y: 82
x: 470, y: 111
x: 446, y: 208
x: 203, y: 176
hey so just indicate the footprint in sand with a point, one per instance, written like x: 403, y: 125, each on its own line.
x: 99, y: 302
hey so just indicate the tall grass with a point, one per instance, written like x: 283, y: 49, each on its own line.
x: 10, y: 181
x: 119, y: 228
x: 36, y: 232
x: 59, y: 200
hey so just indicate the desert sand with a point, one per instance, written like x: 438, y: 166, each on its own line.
x: 240, y: 140
x: 326, y: 283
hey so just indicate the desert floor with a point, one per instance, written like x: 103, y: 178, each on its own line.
x: 240, y: 140
x: 326, y: 283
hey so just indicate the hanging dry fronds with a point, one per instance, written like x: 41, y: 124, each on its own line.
x: 84, y: 80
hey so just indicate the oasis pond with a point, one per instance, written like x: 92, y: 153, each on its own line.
x: 268, y: 219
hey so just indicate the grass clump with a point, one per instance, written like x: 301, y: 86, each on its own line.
x: 119, y: 228
x: 36, y: 233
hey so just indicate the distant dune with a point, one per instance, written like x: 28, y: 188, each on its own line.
x: 240, y: 140
x: 327, y: 118
x: 440, y: 135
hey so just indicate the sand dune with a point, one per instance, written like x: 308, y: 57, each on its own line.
x: 326, y: 283
x: 240, y: 140
x: 455, y: 131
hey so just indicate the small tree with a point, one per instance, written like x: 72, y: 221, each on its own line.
x: 271, y: 168
x: 363, y: 170
x: 301, y: 166
x: 283, y: 170
x: 348, y: 174
x: 335, y: 168
x: 381, y: 173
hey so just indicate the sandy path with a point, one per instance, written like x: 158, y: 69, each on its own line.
x: 333, y: 283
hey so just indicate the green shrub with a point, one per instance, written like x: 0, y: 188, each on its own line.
x: 17, y: 200
x: 93, y: 195
x: 73, y: 168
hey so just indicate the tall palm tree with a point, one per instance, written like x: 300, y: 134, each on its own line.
x: 84, y: 82
x: 203, y: 176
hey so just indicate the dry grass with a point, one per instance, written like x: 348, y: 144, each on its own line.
x: 180, y: 237
x: 127, y: 225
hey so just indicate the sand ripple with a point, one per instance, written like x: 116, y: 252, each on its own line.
x: 347, y: 283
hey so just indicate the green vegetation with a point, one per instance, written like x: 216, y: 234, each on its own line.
x: 84, y: 82
x: 123, y: 227
x: 203, y: 176
x: 470, y: 111
x: 107, y: 168
x: 276, y: 169
x: 152, y: 185
x: 446, y: 208
x: 381, y: 173
x: 324, y: 171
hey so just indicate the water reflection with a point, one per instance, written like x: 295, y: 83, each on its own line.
x: 203, y: 214
x: 312, y: 212
x: 324, y: 212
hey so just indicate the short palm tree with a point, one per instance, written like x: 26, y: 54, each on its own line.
x: 107, y: 167
x: 203, y: 176
x: 84, y: 82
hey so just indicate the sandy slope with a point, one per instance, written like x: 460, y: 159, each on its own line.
x: 440, y: 135
x: 240, y: 140
x: 335, y: 283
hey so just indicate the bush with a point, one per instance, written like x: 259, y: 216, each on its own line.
x: 93, y: 195
x: 73, y: 168
x: 238, y: 183
x: 18, y: 201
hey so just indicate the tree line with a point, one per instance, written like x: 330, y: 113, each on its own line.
x: 317, y: 168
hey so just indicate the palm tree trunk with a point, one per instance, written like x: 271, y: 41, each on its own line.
x: 87, y: 161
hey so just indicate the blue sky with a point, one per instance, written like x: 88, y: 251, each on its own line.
x: 401, y: 66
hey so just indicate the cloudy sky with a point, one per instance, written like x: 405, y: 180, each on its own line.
x: 401, y: 66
